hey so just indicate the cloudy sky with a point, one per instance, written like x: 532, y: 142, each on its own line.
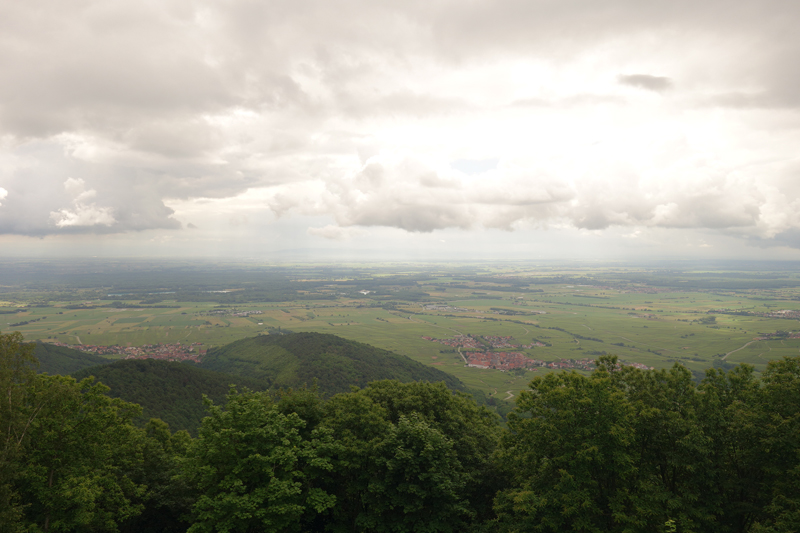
x: 436, y: 129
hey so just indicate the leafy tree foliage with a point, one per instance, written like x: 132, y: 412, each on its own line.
x: 168, y: 499
x: 632, y: 450
x: 17, y: 373
x: 620, y: 450
x: 570, y: 451
x: 76, y: 463
x: 252, y: 469
x: 416, y: 483
x: 413, y: 457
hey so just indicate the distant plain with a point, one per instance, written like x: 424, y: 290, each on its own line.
x: 644, y: 315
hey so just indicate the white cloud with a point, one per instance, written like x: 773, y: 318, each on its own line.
x: 581, y: 114
x: 82, y: 213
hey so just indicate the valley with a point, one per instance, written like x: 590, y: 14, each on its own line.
x: 558, y: 315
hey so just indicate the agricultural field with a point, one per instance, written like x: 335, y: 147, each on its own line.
x: 698, y: 318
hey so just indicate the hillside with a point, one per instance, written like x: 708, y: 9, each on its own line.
x: 335, y: 363
x: 167, y: 390
x: 61, y: 360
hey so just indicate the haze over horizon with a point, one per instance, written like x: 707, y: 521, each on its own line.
x: 375, y: 130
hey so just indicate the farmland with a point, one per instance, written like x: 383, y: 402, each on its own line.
x: 699, y: 317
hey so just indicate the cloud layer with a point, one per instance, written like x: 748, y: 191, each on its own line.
x: 428, y: 116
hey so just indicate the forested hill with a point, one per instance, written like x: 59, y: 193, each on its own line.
x: 168, y: 390
x: 297, y: 359
x: 173, y: 391
x: 61, y: 360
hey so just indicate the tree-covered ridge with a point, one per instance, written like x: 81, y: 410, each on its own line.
x: 170, y: 391
x: 61, y: 360
x: 334, y: 363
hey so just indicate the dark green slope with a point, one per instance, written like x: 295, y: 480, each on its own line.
x: 298, y: 359
x: 167, y: 390
x: 61, y: 360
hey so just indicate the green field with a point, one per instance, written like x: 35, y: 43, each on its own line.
x: 641, y: 316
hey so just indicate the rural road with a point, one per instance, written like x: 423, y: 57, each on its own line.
x: 737, y: 349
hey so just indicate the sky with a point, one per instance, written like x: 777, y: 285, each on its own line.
x: 422, y: 130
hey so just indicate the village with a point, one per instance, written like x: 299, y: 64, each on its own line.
x: 167, y: 352
x: 481, y: 357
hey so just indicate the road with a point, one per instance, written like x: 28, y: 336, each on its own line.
x: 737, y: 349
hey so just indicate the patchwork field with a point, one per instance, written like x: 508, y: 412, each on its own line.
x: 718, y: 318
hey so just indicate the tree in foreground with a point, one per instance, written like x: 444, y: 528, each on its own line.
x: 67, y: 451
x: 413, y: 457
x: 253, y: 471
x: 570, y: 452
x: 16, y: 375
x: 633, y: 450
x: 82, y: 449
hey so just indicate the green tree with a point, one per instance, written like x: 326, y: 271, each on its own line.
x: 570, y: 454
x: 17, y: 372
x: 736, y: 472
x: 413, y: 456
x: 780, y: 429
x: 670, y: 446
x: 359, y: 426
x: 474, y: 431
x: 75, y: 468
x: 416, y: 483
x: 168, y: 499
x: 252, y: 469
x: 67, y: 449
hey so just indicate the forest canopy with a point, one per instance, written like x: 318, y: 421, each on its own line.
x: 621, y: 450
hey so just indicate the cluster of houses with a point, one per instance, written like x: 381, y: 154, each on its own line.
x: 167, y: 352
